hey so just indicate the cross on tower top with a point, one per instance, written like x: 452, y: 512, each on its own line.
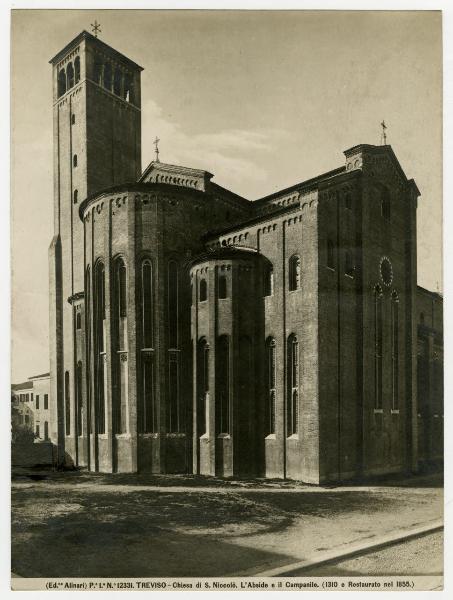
x: 383, y: 134
x: 96, y: 28
x: 156, y: 142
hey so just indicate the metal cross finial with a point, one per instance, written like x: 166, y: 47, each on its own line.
x: 383, y: 135
x: 156, y: 142
x: 96, y: 28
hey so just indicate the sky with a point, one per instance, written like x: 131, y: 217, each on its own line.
x: 262, y: 100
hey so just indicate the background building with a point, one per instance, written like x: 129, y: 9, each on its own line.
x: 194, y: 330
x: 31, y: 406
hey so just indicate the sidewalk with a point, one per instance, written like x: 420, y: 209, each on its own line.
x: 91, y: 526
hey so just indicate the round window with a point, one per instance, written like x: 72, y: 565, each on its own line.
x: 386, y: 271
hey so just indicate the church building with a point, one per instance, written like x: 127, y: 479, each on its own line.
x: 196, y: 331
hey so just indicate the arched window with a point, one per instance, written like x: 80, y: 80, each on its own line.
x: 172, y: 304
x: 127, y: 89
x: 223, y: 385
x: 385, y: 204
x: 79, y: 397
x: 203, y: 290
x: 223, y: 289
x: 121, y: 287
x: 330, y: 254
x: 202, y: 385
x: 119, y: 339
x: 294, y: 273
x: 78, y: 320
x: 61, y: 82
x: 70, y: 76
x: 271, y: 386
x: 67, y: 403
x: 378, y: 346
x: 292, y: 399
x: 98, y: 72
x: 268, y: 280
x: 76, y: 196
x: 100, y: 356
x: 147, y: 304
x: 349, y: 267
x: 108, y: 76
x: 74, y: 160
x: 73, y: 119
x: 117, y: 82
x: 395, y: 351
x: 77, y: 69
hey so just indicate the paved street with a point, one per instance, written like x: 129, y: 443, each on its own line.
x: 420, y: 556
x: 84, y: 525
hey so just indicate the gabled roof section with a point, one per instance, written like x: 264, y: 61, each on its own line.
x: 85, y: 35
x: 157, y: 172
x: 358, y: 156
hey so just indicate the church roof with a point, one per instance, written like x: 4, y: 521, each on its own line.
x: 88, y: 36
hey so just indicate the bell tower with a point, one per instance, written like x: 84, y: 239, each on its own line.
x: 97, y: 145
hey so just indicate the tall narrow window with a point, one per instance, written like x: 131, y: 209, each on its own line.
x: 117, y: 82
x: 98, y: 72
x: 172, y: 304
x: 147, y: 303
x: 74, y: 160
x: 294, y: 273
x: 78, y: 320
x: 119, y: 333
x: 385, y: 204
x: 121, y: 288
x: 147, y: 415
x: 292, y: 400
x: 67, y: 402
x: 127, y: 89
x: 147, y: 412
x: 330, y: 254
x: 46, y: 430
x: 202, y: 385
x: 223, y: 385
x: 76, y: 196
x: 37, y: 431
x: 37, y: 401
x: 173, y: 416
x: 271, y: 386
x: 349, y: 267
x: 223, y: 291
x: 203, y: 290
x: 108, y: 76
x: 77, y: 69
x: 70, y: 76
x: 46, y: 401
x: 378, y: 346
x: 79, y: 397
x: 395, y: 352
x: 348, y: 201
x: 61, y: 82
x: 73, y: 119
x: 268, y: 280
x: 100, y: 356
